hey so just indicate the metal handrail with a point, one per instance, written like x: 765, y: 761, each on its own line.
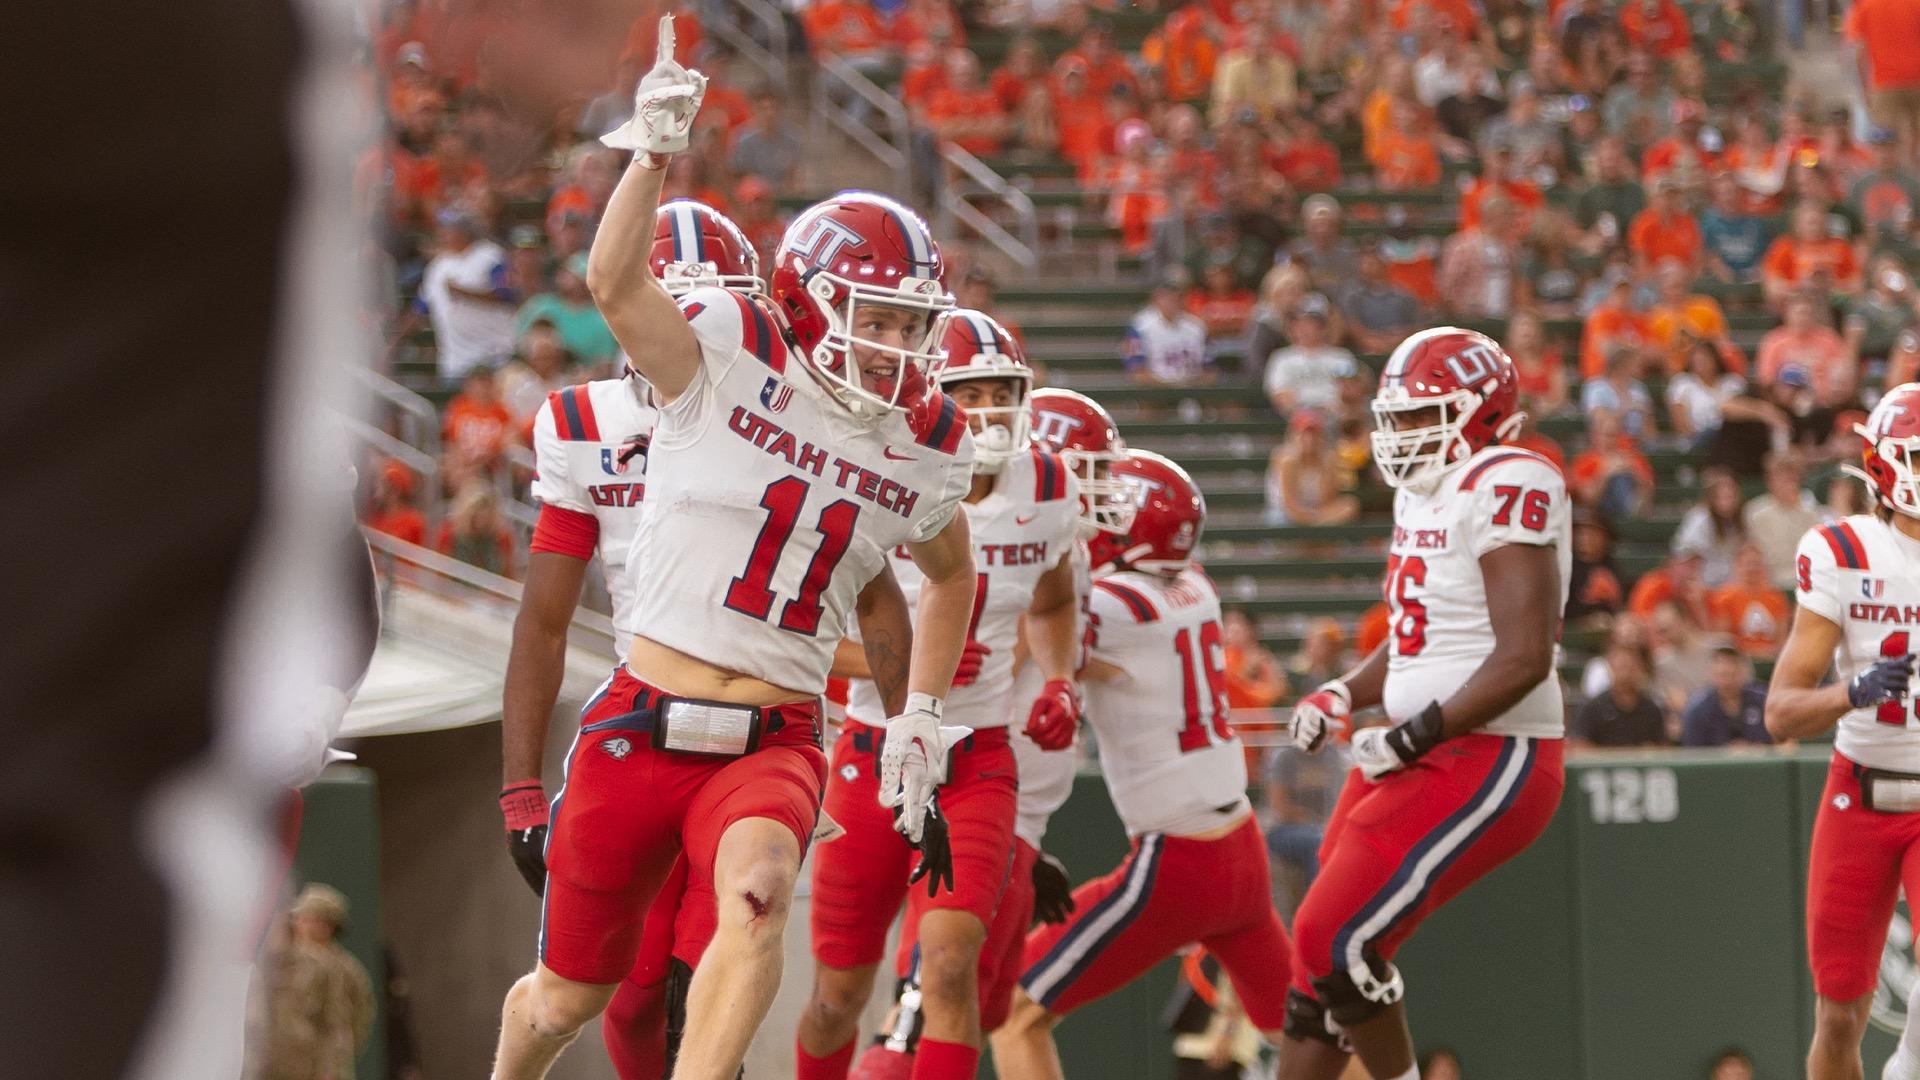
x: 426, y: 419
x: 771, y: 62
x: 776, y: 24
x: 425, y: 464
x: 473, y: 577
x: 1024, y: 249
x: 893, y: 155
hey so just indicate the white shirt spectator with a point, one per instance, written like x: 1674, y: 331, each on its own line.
x: 466, y: 332
x: 1170, y: 350
x: 1702, y: 402
x: 1309, y: 377
x: 1776, y: 528
x: 1633, y: 408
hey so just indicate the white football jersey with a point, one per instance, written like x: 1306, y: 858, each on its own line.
x: 1172, y: 762
x: 770, y: 506
x: 1021, y: 530
x: 1864, y: 575
x: 1046, y: 776
x: 1440, y: 629
x: 590, y: 456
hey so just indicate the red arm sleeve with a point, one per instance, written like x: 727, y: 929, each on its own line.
x: 566, y: 532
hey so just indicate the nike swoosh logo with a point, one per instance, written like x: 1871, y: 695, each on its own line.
x: 887, y: 452
x: 1028, y: 520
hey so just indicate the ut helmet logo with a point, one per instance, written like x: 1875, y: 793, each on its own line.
x: 1471, y: 364
x: 822, y: 239
x: 1054, y: 428
x: 1881, y: 423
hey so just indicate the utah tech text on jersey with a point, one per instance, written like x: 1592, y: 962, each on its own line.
x: 848, y: 476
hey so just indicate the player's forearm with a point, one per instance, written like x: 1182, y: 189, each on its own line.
x: 1367, y: 682
x: 1053, y: 640
x: 536, y: 666
x: 629, y: 297
x: 939, y: 634
x: 850, y: 661
x: 886, y: 647
x: 1805, y: 712
x: 1505, y: 677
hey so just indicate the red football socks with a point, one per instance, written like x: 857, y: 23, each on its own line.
x: 832, y: 1067
x: 936, y: 1060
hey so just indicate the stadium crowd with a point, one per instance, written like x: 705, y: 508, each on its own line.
x: 1683, y: 252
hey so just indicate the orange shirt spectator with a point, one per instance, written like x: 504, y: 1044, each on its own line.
x: 1792, y: 262
x: 1889, y: 31
x: 848, y: 27
x: 1660, y: 586
x: 1308, y: 162
x: 1805, y: 342
x: 1756, y: 618
x: 1613, y: 323
x: 1104, y: 65
x: 477, y: 423
x: 1221, y: 303
x: 400, y: 522
x: 1699, y: 316
x: 643, y: 36
x: 1592, y: 461
x: 1459, y: 12
x: 1402, y: 160
x: 1525, y: 196
x: 1655, y: 237
x: 927, y: 22
x: 925, y: 75
x: 965, y: 111
x: 1081, y: 117
x: 1184, y: 52
x: 1678, y: 158
x: 1413, y: 264
x: 1372, y: 628
x: 1658, y: 26
x: 1136, y: 185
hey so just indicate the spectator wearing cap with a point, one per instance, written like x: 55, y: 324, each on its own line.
x: 570, y: 309
x: 1328, y: 257
x: 1748, y: 608
x: 1252, y: 74
x: 1733, y: 239
x: 1681, y: 317
x: 1186, y: 52
x: 1676, y: 581
x: 1105, y: 67
x: 1464, y: 112
x: 1537, y: 362
x: 1532, y: 139
x: 765, y: 146
x: 1307, y: 373
x: 1614, y: 198
x: 1615, y: 326
x: 1221, y: 302
x: 464, y: 292
x: 1626, y: 714
x: 1379, y: 314
x: 1594, y: 591
x: 1640, y: 107
x: 1805, y: 344
x: 527, y: 262
x: 1714, y: 526
x: 965, y: 111
x: 1886, y: 34
x: 1687, y: 156
x: 1413, y: 259
x: 1611, y: 475
x: 1777, y: 518
x: 1164, y: 344
x: 1886, y: 194
x: 1731, y: 708
x: 313, y: 1002
x: 390, y: 506
x: 1405, y: 156
x: 1304, y: 476
x: 1479, y: 265
x: 1620, y: 392
x: 1658, y: 26
x: 1809, y: 257
x: 1500, y: 174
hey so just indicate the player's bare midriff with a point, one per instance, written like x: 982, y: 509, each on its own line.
x: 1219, y: 831
x: 687, y: 676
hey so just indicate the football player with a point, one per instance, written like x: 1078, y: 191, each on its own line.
x: 1022, y: 509
x: 1469, y: 772
x: 786, y: 463
x: 1858, y: 586
x: 590, y: 477
x: 1156, y: 697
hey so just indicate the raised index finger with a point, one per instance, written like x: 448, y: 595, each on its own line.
x: 665, y: 54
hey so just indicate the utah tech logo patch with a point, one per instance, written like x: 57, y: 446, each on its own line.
x: 617, y: 749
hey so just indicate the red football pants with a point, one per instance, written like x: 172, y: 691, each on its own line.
x: 1006, y: 941
x: 1859, y: 861
x: 1397, y: 849
x: 1170, y: 892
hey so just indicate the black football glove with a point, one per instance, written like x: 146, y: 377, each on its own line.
x: 1052, y: 892
x: 936, y: 852
x: 524, y: 805
x: 1884, y: 681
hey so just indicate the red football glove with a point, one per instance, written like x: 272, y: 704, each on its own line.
x: 972, y: 658
x: 1055, y: 715
x: 926, y: 403
x: 524, y: 806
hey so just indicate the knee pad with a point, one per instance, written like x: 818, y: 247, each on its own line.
x: 1307, y: 1019
x: 1358, y: 994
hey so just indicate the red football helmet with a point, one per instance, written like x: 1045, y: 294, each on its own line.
x: 1082, y: 432
x: 1466, y: 379
x: 696, y: 245
x: 851, y: 251
x: 976, y: 347
x: 1890, y: 460
x: 1168, y: 516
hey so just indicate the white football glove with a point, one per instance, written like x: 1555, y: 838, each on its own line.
x: 1324, y: 710
x: 1371, y: 754
x: 664, y: 105
x: 913, y: 762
